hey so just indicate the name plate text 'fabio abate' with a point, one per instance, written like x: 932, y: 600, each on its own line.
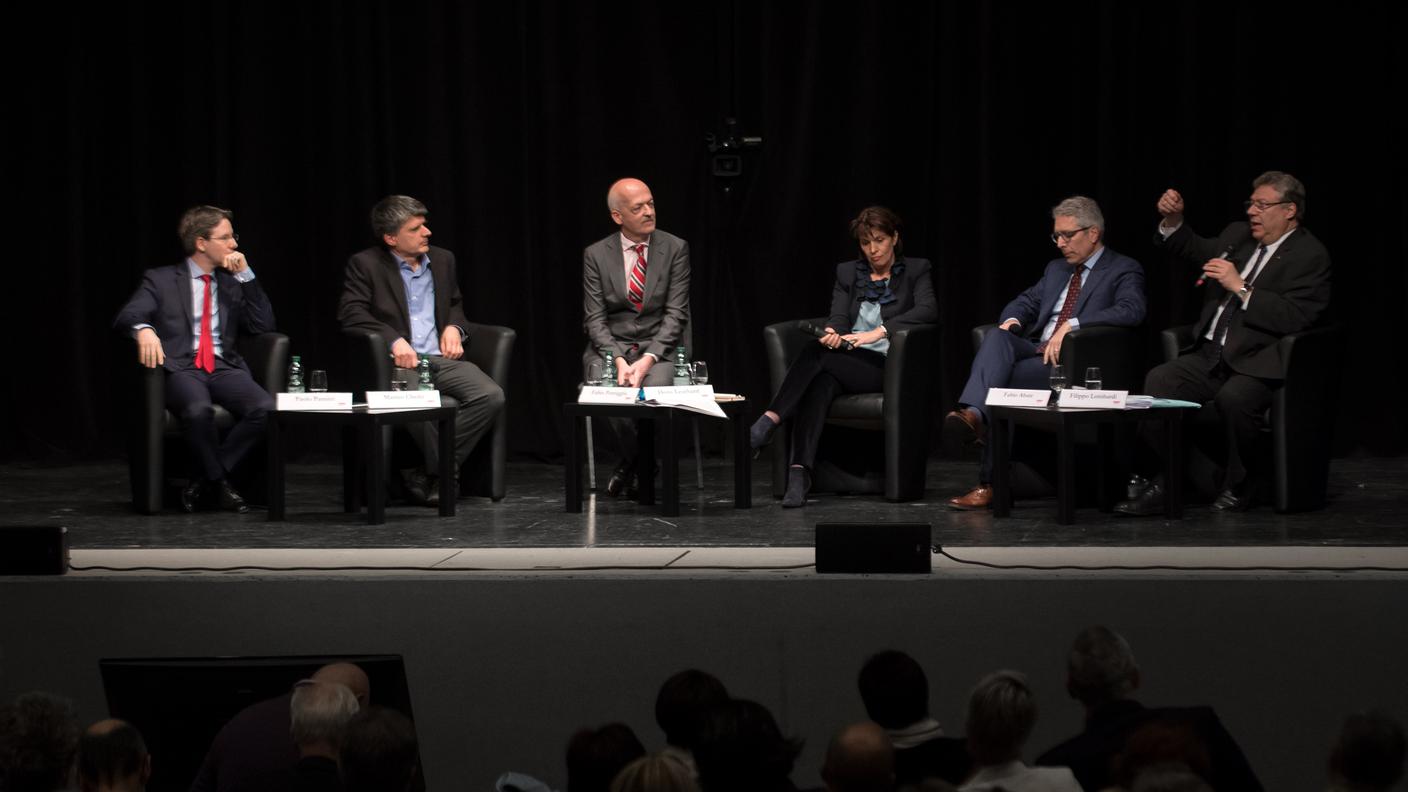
x: 1019, y: 397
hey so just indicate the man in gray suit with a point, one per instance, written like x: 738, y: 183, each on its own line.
x: 635, y: 303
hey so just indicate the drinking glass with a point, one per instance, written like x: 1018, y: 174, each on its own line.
x: 317, y: 381
x: 1092, y: 378
x: 398, y: 384
x: 1058, y: 377
x: 699, y: 372
x: 594, y: 373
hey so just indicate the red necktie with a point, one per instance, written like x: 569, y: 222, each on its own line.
x: 1069, y: 306
x: 205, y: 350
x: 635, y: 290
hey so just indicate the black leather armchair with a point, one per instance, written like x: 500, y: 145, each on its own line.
x: 1114, y: 349
x: 1299, y: 423
x: 903, y: 412
x: 156, y: 433
x: 489, y: 347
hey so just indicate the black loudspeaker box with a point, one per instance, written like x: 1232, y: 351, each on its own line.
x: 33, y: 549
x: 863, y: 548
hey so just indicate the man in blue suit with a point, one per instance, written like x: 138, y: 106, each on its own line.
x: 186, y: 318
x: 1089, y: 286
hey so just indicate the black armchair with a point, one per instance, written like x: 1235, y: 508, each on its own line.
x: 903, y: 412
x: 1298, y: 422
x: 155, y: 438
x: 1114, y: 349
x: 489, y: 347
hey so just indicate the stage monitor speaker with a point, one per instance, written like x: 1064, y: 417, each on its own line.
x: 864, y: 548
x: 33, y: 549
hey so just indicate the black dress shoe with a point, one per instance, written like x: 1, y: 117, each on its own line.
x: 623, y: 480
x: 193, y: 495
x: 432, y: 490
x: 1147, y: 503
x: 417, y: 486
x: 1230, y: 501
x: 230, y: 500
x: 799, y: 483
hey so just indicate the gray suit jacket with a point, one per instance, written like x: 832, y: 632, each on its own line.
x: 609, y: 319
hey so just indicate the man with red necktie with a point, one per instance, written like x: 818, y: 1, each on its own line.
x: 186, y: 318
x: 635, y: 301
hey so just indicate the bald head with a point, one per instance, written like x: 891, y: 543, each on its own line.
x: 860, y: 758
x: 633, y: 208
x: 113, y: 756
x: 349, y: 676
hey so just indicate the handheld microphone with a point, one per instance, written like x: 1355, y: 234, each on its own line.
x: 1223, y: 255
x: 813, y: 330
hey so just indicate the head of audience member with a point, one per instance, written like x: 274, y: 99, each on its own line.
x: 1001, y: 714
x: 894, y: 689
x: 683, y: 703
x: 632, y: 208
x: 860, y: 758
x: 658, y: 772
x: 349, y: 675
x: 877, y: 231
x: 1169, y: 777
x: 1368, y: 753
x: 1276, y: 207
x: 1077, y: 228
x: 318, y: 713
x: 379, y: 752
x: 1100, y: 668
x: 38, y: 740
x: 1158, y: 746
x: 595, y: 756
x: 112, y: 757
x: 399, y: 222
x: 742, y: 748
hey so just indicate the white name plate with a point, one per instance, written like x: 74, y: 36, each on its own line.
x: 313, y: 401
x: 1094, y: 399
x: 599, y: 394
x: 1018, y: 397
x: 402, y: 400
x: 674, y: 393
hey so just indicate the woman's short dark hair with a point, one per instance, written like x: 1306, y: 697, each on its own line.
x: 876, y: 218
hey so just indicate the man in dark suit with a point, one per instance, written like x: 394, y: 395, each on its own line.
x: 1264, y: 279
x: 1101, y: 674
x: 1089, y: 286
x: 635, y: 304
x: 186, y: 319
x: 407, y: 291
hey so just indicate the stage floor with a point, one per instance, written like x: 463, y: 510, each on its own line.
x: 1367, y: 500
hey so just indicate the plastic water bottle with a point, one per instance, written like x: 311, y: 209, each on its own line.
x: 295, y: 375
x: 608, y: 368
x: 423, y: 369
x: 681, y: 367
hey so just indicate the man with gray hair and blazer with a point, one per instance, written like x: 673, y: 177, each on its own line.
x: 635, y: 303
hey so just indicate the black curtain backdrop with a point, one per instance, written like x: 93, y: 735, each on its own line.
x: 509, y: 120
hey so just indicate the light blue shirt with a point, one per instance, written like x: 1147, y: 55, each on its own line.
x: 868, y: 319
x: 1086, y: 267
x: 420, y: 305
x: 198, y: 304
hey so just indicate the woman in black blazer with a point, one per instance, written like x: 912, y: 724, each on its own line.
x: 876, y: 294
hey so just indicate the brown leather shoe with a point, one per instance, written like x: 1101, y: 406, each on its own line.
x: 968, y: 425
x: 976, y: 499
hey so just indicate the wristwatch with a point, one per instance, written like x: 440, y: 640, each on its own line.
x: 1243, y: 293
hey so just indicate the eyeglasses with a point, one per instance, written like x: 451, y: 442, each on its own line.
x: 1057, y: 236
x: 226, y: 238
x: 1262, y: 206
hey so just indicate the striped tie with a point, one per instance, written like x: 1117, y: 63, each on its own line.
x: 635, y: 290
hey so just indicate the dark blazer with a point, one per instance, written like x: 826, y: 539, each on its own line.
x: 1113, y: 294
x: 913, y: 288
x: 1291, y: 294
x: 374, y: 297
x: 1088, y: 754
x: 164, y: 302
x: 609, y: 319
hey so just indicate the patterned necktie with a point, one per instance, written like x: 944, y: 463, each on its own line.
x: 205, y: 350
x: 1068, y: 307
x: 635, y: 289
x: 1219, y: 333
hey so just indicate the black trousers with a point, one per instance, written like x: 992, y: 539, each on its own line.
x: 813, y: 381
x: 1202, y: 376
x: 191, y: 394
